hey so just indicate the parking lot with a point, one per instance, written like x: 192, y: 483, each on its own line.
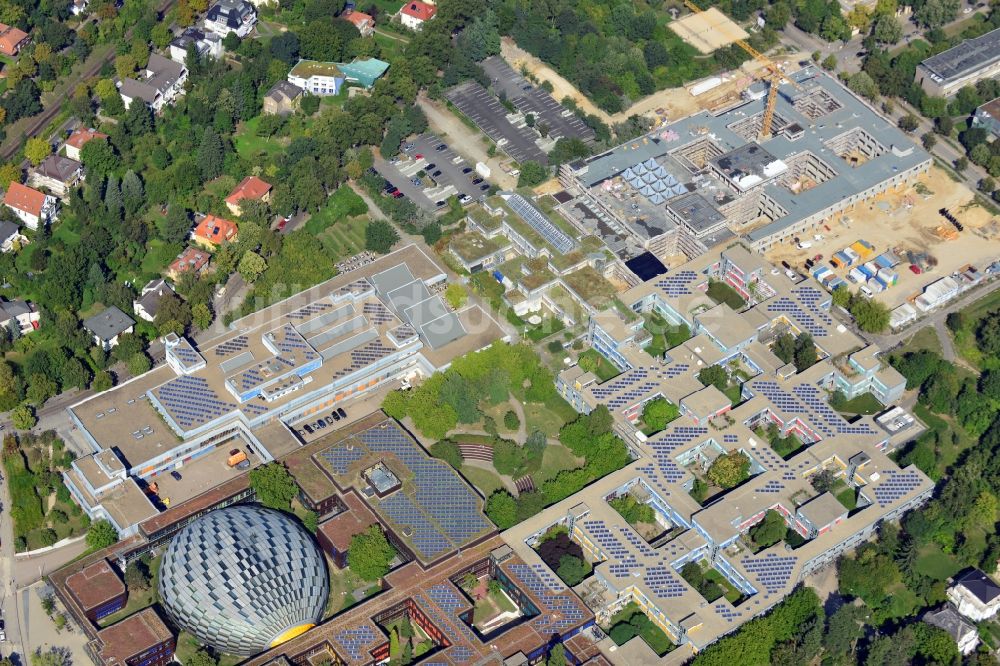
x: 491, y: 117
x: 427, y: 153
x: 529, y: 98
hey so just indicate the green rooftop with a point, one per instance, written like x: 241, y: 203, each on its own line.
x: 591, y: 287
x: 308, y: 68
x: 473, y: 246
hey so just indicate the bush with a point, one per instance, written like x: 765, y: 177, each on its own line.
x: 510, y: 420
x: 729, y: 470
x: 447, y: 451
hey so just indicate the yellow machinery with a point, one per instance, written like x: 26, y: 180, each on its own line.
x: 774, y: 76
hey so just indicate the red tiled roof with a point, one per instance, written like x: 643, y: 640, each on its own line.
x: 251, y: 187
x: 10, y: 39
x: 82, y: 136
x: 24, y: 198
x: 191, y: 259
x: 215, y: 229
x: 357, y: 18
x: 419, y: 10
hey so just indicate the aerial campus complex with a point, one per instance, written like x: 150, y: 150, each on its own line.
x: 249, y: 582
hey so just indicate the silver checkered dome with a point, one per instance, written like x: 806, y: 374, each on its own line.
x: 242, y: 578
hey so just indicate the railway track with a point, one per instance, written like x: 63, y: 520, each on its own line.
x: 40, y: 121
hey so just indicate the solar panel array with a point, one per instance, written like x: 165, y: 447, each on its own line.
x: 807, y: 401
x: 677, y: 284
x: 771, y: 571
x: 378, y: 313
x: 442, y: 512
x: 804, y: 310
x: 558, y: 611
x: 185, y: 353
x: 356, y: 288
x: 310, y: 310
x: 555, y: 236
x: 725, y: 611
x: 895, y: 486
x: 358, y: 641
x: 191, y: 402
x: 239, y: 343
x: 403, y: 333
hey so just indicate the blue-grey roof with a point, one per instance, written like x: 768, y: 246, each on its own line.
x: 966, y: 58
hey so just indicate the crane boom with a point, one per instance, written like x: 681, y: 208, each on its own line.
x: 774, y: 76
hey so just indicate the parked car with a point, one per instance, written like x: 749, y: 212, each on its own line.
x: 467, y: 170
x: 430, y: 166
x: 443, y: 146
x: 175, y: 475
x: 418, y: 156
x: 436, y: 173
x: 334, y: 416
x: 397, y: 195
x: 308, y: 428
x: 464, y: 199
x: 416, y: 181
x: 343, y: 414
x: 439, y: 203
x: 282, y: 223
x: 476, y: 181
x: 484, y: 187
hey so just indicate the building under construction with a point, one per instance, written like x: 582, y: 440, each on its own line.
x: 702, y: 180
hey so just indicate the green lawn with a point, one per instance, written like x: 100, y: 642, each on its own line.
x: 483, y: 479
x: 734, y: 392
x: 343, y: 203
x: 249, y: 145
x: 949, y: 447
x: 731, y: 593
x: 158, y: 256
x: 346, y: 238
x: 935, y: 563
x: 343, y: 582
x: 555, y: 459
x: 539, y: 417
x: 188, y: 645
x: 925, y: 338
x: 865, y: 403
x: 547, y: 327
x: 602, y: 367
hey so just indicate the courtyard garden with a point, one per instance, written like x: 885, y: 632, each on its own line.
x: 630, y: 622
x: 593, y: 361
x: 710, y: 583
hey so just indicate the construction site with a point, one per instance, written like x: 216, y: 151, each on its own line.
x: 908, y: 223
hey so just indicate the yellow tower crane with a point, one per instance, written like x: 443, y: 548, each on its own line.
x: 773, y: 75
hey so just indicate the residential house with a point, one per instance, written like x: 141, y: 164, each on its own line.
x: 106, y: 327
x: 365, y: 23
x: 11, y: 40
x: 326, y: 78
x: 282, y: 99
x: 414, y: 13
x: 975, y: 595
x: 11, y: 237
x: 206, y: 44
x: 161, y: 82
x: 191, y: 260
x: 30, y: 205
x: 250, y: 187
x: 20, y: 314
x: 318, y: 78
x: 76, y: 141
x: 212, y: 231
x: 228, y: 16
x: 147, y: 304
x: 964, y: 633
x: 57, y: 174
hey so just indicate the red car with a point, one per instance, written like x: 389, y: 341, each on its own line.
x: 418, y: 156
x: 397, y: 195
x: 283, y: 223
x: 915, y: 269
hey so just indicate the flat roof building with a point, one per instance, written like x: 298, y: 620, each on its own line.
x: 695, y: 183
x: 342, y: 339
x: 98, y: 590
x: 141, y: 639
x: 973, y: 60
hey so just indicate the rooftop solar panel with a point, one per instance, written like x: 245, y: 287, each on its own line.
x: 555, y: 236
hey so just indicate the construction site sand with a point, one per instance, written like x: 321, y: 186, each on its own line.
x: 708, y: 30
x: 676, y: 103
x: 887, y: 223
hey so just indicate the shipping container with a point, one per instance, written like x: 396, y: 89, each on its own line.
x: 842, y: 260
x: 857, y: 276
x: 883, y: 261
x: 888, y: 277
x: 836, y: 283
x: 875, y: 285
x: 863, y: 251
x: 820, y: 271
x: 867, y: 271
